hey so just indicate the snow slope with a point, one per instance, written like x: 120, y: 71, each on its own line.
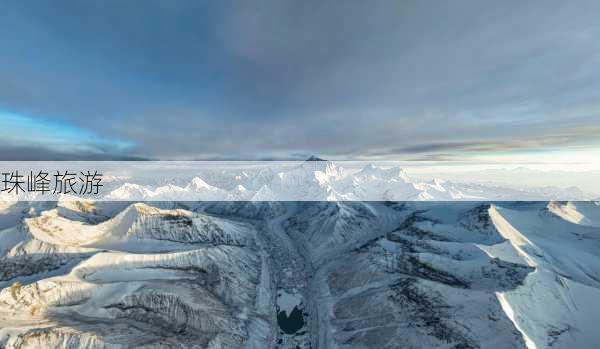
x: 325, y: 181
x: 145, y: 277
x: 417, y: 274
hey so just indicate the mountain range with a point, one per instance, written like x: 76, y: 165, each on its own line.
x: 319, y: 180
x: 298, y: 274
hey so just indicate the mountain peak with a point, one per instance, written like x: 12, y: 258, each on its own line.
x: 197, y: 183
x: 314, y: 163
x: 388, y: 173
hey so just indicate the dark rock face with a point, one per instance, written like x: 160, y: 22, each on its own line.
x: 315, y: 158
x: 246, y: 209
x: 430, y: 312
x: 27, y: 265
x: 406, y: 283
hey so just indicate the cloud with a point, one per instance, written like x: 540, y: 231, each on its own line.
x: 38, y: 153
x: 577, y: 139
x: 271, y: 79
x: 22, y: 135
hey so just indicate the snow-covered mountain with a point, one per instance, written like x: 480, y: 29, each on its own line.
x: 318, y: 180
x: 82, y: 274
x: 145, y: 277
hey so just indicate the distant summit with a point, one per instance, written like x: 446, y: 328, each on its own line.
x: 315, y: 158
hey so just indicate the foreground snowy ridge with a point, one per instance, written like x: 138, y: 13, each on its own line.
x: 79, y: 274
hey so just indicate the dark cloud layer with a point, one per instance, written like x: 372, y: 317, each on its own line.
x: 16, y: 153
x: 274, y: 79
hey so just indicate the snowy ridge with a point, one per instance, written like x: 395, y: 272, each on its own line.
x: 137, y: 222
x: 325, y: 181
x: 300, y: 274
x: 141, y: 275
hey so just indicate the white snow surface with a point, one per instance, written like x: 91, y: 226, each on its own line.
x: 325, y: 181
x: 83, y: 274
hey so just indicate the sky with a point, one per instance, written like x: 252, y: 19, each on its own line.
x: 408, y: 80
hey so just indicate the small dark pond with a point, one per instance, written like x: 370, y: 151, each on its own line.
x: 292, y: 323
